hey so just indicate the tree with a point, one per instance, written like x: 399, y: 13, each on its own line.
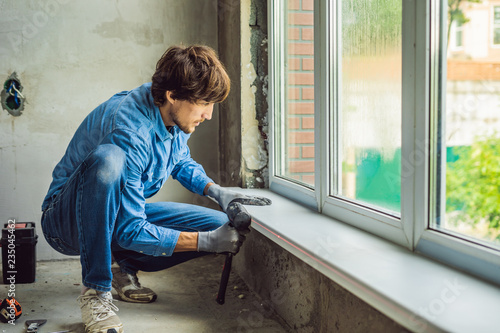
x: 455, y: 13
x: 473, y: 182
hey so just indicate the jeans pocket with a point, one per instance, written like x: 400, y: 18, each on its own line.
x: 60, y: 246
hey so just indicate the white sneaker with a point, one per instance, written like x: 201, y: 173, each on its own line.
x: 98, y: 313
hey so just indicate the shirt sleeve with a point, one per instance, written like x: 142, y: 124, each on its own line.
x: 189, y: 173
x: 132, y: 230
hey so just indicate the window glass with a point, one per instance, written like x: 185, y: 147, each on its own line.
x: 297, y: 119
x: 496, y: 25
x: 369, y: 103
x: 468, y: 195
x: 458, y: 35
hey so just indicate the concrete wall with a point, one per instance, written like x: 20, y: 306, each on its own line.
x: 243, y: 49
x: 71, y: 56
x: 254, y: 75
x: 230, y: 116
x: 306, y: 300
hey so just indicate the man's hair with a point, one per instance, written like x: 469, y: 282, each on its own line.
x: 193, y: 73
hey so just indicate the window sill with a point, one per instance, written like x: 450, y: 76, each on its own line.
x: 416, y: 292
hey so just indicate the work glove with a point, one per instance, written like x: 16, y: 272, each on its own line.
x: 224, y: 196
x: 222, y: 240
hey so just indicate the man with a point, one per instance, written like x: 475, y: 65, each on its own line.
x: 121, y: 154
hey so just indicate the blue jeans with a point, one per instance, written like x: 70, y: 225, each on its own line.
x: 80, y: 220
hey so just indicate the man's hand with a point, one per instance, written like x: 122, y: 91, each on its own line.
x: 225, y: 196
x: 222, y: 240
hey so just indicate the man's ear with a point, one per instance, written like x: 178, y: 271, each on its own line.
x: 168, y: 95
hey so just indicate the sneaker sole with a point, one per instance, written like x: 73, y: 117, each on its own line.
x: 107, y: 330
x: 125, y: 298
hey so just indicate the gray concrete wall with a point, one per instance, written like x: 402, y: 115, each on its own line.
x: 306, y: 300
x: 229, y: 34
x: 71, y: 56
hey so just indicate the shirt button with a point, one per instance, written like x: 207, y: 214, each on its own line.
x: 164, y: 254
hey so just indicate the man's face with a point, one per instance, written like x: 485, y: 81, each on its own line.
x: 187, y: 115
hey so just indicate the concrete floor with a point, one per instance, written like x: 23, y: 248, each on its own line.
x: 186, y: 301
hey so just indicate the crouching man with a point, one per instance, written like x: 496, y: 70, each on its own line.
x: 121, y: 154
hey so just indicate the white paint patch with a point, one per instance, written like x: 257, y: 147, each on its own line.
x: 254, y: 155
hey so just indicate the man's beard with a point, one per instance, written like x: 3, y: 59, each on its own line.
x: 185, y: 128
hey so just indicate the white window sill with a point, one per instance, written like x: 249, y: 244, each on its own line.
x: 418, y: 293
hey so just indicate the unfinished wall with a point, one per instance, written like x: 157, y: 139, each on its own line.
x: 306, y: 300
x: 230, y: 115
x: 71, y: 56
x: 244, y: 122
x: 254, y: 108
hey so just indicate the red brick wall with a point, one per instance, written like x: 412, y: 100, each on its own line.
x: 300, y: 91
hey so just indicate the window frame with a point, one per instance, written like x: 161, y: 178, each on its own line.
x: 421, y: 80
x: 455, y: 29
x: 494, y: 26
x: 281, y: 185
x: 461, y: 252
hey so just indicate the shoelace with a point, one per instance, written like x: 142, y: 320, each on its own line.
x: 102, y: 307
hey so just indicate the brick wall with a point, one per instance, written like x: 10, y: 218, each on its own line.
x: 473, y: 70
x: 300, y: 91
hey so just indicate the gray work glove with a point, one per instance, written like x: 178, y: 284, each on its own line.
x: 222, y: 240
x: 224, y: 196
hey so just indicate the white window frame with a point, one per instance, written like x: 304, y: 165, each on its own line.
x: 455, y: 28
x: 421, y: 82
x: 493, y: 26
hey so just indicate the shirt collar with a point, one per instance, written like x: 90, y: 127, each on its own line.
x: 159, y: 126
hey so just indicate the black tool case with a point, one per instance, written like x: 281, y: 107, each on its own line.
x: 19, y: 252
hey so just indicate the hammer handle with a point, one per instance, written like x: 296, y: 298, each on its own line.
x: 240, y: 219
x: 224, y: 279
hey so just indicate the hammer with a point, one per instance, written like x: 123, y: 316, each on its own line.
x: 240, y: 220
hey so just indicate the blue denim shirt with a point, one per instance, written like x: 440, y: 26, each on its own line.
x: 131, y: 121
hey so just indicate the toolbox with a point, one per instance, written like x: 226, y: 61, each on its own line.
x: 19, y: 252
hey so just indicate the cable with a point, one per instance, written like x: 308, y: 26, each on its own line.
x: 16, y: 92
x: 14, y: 86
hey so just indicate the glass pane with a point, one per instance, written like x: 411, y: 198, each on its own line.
x: 469, y: 200
x: 370, y: 103
x: 496, y: 25
x: 496, y: 15
x: 459, y: 38
x: 298, y: 119
x: 496, y: 36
